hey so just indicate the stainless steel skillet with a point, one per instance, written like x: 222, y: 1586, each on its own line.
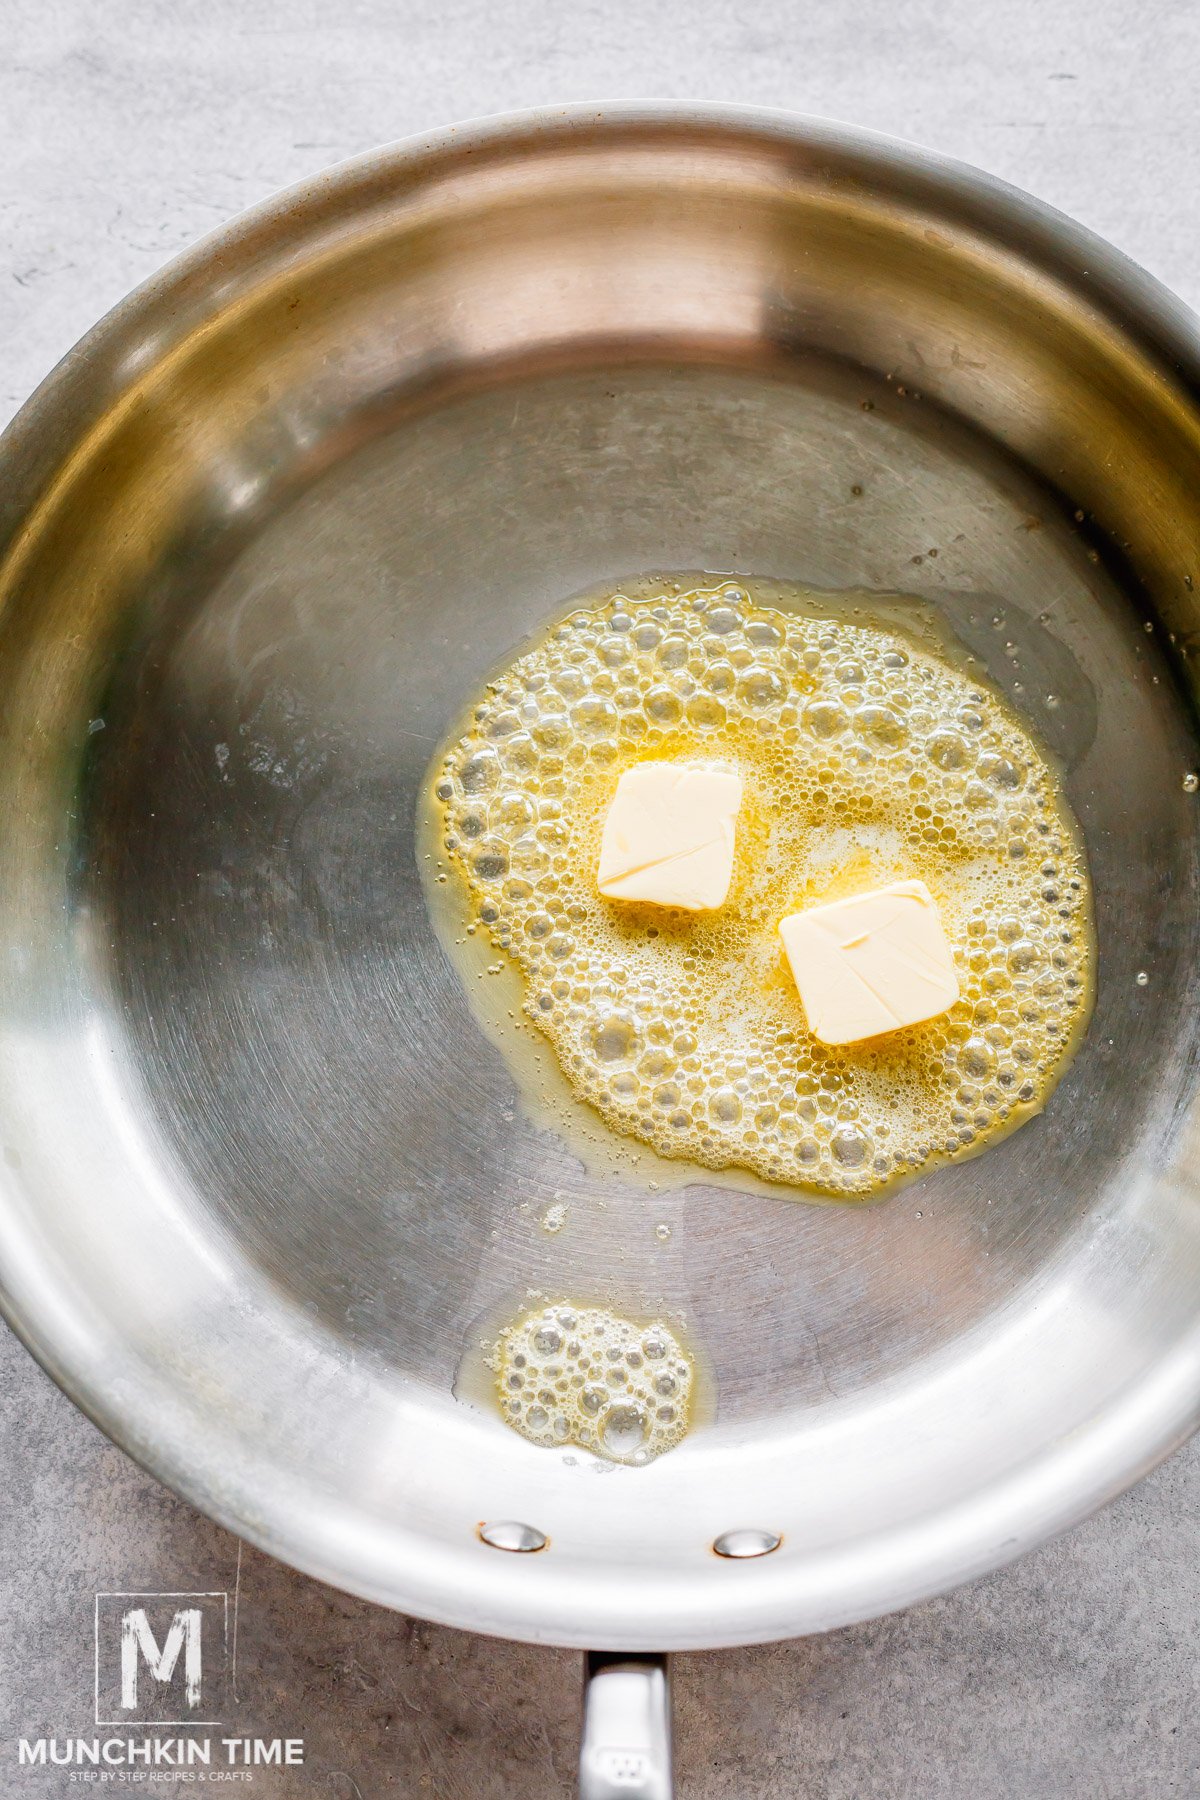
x: 264, y: 1180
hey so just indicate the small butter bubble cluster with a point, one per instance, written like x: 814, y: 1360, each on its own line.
x: 581, y: 1375
x: 866, y: 758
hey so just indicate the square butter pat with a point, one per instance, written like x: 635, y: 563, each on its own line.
x: 668, y: 836
x: 872, y: 963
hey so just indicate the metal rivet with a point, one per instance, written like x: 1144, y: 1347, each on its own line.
x: 510, y: 1534
x: 747, y: 1542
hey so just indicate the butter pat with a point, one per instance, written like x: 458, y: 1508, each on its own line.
x: 668, y: 835
x: 870, y: 964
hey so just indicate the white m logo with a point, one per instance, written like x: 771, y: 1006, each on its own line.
x: 138, y: 1643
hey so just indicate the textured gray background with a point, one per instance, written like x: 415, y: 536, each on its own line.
x: 126, y: 129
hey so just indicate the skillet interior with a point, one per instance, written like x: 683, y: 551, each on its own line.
x: 265, y: 1179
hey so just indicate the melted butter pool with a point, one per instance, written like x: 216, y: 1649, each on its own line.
x: 868, y: 755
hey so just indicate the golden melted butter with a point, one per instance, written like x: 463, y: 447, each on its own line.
x: 867, y: 756
x: 583, y: 1375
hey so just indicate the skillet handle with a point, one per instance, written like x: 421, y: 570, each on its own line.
x: 626, y: 1749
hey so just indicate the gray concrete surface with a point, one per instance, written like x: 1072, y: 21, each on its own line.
x: 126, y: 129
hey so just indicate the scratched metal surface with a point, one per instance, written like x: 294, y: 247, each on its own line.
x: 1070, y: 1674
